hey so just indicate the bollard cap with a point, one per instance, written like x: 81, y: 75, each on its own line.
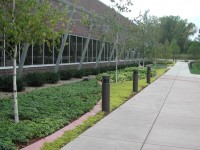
x: 148, y: 67
x: 106, y: 79
x: 135, y: 71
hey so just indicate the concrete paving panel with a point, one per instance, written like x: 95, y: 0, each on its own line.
x: 149, y: 96
x: 132, y: 114
x: 178, y: 120
x: 91, y: 143
x: 129, y: 131
x: 185, y: 85
x: 159, y: 147
x: 187, y: 109
x: 173, y: 99
x: 183, y: 78
x: 146, y: 106
x: 175, y: 136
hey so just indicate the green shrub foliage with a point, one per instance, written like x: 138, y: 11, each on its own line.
x: 35, y: 79
x: 126, y: 74
x: 6, y: 83
x: 52, y: 77
x: 79, y: 73
x: 44, y: 111
x: 66, y: 74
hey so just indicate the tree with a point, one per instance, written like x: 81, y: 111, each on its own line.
x: 173, y: 27
x: 26, y: 21
x: 116, y: 25
x: 147, y: 34
x: 166, y: 50
x: 194, y: 49
x: 175, y: 48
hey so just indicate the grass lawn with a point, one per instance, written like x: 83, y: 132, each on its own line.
x: 118, y: 97
x: 195, y: 69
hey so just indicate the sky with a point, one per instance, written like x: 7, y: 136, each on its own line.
x: 186, y: 9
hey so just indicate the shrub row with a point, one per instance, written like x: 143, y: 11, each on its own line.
x: 44, y: 111
x: 30, y: 79
x: 6, y: 83
x: 126, y: 74
x: 37, y: 79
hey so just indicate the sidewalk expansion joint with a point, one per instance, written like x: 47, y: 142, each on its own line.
x: 160, y: 110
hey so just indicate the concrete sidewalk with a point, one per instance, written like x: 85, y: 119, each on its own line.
x: 164, y: 116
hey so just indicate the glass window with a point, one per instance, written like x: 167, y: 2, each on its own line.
x: 103, y: 52
x: 1, y: 53
x: 28, y: 60
x: 56, y: 48
x: 94, y: 56
x: 79, y: 48
x: 48, y: 53
x: 37, y: 54
x: 8, y: 59
x: 106, y: 51
x: 90, y: 51
x: 65, y: 56
x: 86, y: 54
x: 98, y: 49
x: 73, y: 49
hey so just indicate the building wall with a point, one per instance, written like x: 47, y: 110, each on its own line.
x: 44, y: 57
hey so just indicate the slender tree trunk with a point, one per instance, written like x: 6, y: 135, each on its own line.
x: 116, y: 69
x: 116, y: 64
x: 16, y: 114
x: 143, y: 60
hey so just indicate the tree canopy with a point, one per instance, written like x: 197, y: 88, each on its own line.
x: 173, y: 27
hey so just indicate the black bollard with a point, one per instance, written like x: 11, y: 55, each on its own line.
x: 106, y: 94
x: 148, y: 74
x: 135, y: 81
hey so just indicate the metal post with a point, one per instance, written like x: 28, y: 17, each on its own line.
x: 148, y: 74
x: 106, y: 94
x: 135, y: 81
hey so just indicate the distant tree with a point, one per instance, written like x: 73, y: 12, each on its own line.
x: 173, y: 27
x: 166, y: 51
x: 198, y: 36
x: 174, y: 48
x: 194, y: 49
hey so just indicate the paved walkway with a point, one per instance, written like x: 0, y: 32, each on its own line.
x: 164, y: 116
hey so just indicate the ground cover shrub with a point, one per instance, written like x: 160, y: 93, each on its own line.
x: 52, y: 77
x: 35, y: 79
x: 44, y: 111
x: 6, y: 83
x: 72, y: 134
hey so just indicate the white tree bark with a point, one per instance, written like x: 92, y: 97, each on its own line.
x: 16, y: 114
x: 116, y: 59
